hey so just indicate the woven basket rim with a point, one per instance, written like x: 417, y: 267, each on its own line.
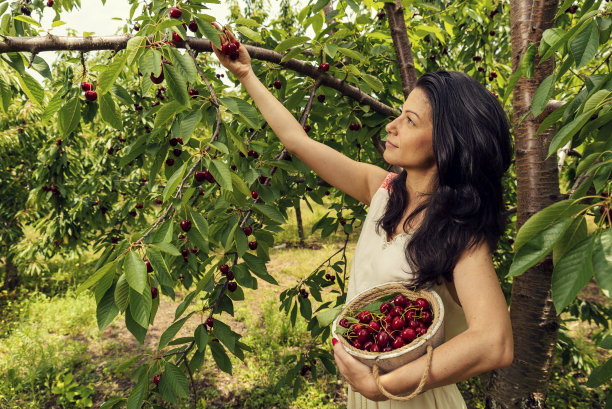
x: 433, y: 329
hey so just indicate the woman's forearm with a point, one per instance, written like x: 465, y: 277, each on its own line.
x: 464, y: 356
x: 282, y: 122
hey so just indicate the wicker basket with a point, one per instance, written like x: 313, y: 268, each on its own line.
x: 388, y: 361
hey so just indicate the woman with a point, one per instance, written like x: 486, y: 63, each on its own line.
x: 435, y: 224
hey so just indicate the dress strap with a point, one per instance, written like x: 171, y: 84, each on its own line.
x: 386, y: 183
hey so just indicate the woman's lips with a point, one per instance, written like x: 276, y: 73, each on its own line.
x: 390, y: 145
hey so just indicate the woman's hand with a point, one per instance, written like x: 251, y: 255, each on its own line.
x: 357, y: 374
x: 240, y: 66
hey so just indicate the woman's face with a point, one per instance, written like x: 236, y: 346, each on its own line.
x: 409, y: 143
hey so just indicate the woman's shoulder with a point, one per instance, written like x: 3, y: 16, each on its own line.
x: 386, y: 183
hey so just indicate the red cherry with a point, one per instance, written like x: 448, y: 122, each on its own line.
x: 177, y: 152
x: 363, y: 335
x: 185, y: 225
x: 385, y: 307
x: 364, y: 317
x: 86, y: 86
x: 426, y: 316
x: 230, y: 275
x: 278, y: 84
x: 375, y: 348
x: 252, y: 245
x: 156, y: 379
x: 209, y: 177
x: 356, y: 327
x: 49, y: 3
x: 368, y: 345
x: 210, y: 321
x: 397, y: 311
x: 232, y: 286
x: 157, y: 80
x: 357, y: 344
x: 374, y: 326
x: 324, y: 66
x: 247, y: 230
x: 400, y: 300
x: 307, y: 128
x: 193, y: 92
x: 408, y: 334
x: 387, y: 349
x: 422, y: 302
x: 176, y: 37
x: 136, y: 27
x: 224, y: 268
x: 398, y: 343
x: 421, y: 331
x: 185, y: 252
x: 321, y: 97
x: 254, y: 194
x: 153, y: 292
x: 398, y: 323
x: 193, y: 26
x: 169, y: 162
x: 224, y: 48
x: 413, y: 324
x: 175, y: 13
x: 344, y: 323
x: 91, y: 95
x: 199, y: 176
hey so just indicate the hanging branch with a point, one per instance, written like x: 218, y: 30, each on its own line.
x: 403, y: 48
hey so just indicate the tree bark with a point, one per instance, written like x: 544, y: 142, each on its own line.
x: 534, y: 319
x: 401, y: 43
x: 11, y: 275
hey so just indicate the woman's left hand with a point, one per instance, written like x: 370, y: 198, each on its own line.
x: 357, y: 374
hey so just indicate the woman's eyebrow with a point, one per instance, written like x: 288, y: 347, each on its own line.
x: 417, y: 115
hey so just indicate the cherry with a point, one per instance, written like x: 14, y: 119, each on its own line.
x: 199, y: 176
x: 25, y: 10
x: 176, y: 37
x: 58, y: 142
x: 492, y: 32
x: 169, y: 162
x: 139, y: 206
x: 158, y: 201
x: 398, y: 323
x: 194, y: 250
x: 210, y: 321
x: 304, y: 293
x: 385, y: 307
x: 368, y: 345
x: 476, y: 58
x: 177, y: 152
x: 375, y: 348
x: 86, y: 86
x: 382, y: 339
x: 324, y: 66
x: 91, y: 95
x: 173, y: 142
x: 154, y: 292
x: 365, y: 317
x: 357, y: 344
x: 327, y: 193
x: 387, y: 349
x: 232, y: 286
x: 209, y: 176
x: 186, y: 259
x: 398, y: 342
x: 50, y: 3
x: 413, y: 324
x: 363, y: 335
x: 408, y: 334
x: 397, y: 311
x: 356, y: 327
x: 307, y: 128
x: 230, y: 275
x: 400, y: 300
x: 344, y: 323
x: 156, y: 379
x: 426, y: 316
x: 185, y: 225
x: 278, y: 84
x: 247, y: 230
x: 193, y: 26
x: 249, y: 152
x: 321, y: 97
x: 193, y: 92
x: 374, y: 326
x: 254, y: 194
x: 157, y: 80
x: 432, y: 57
x: 224, y: 268
x: 252, y: 245
x: 422, y: 302
x: 175, y: 13
x: 234, y: 166
x: 262, y: 179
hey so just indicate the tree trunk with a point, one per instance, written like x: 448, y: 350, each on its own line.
x: 300, y: 226
x: 534, y: 318
x: 11, y: 276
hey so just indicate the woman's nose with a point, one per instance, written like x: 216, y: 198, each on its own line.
x: 389, y: 126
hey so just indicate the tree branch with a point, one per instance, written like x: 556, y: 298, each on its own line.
x: 403, y: 49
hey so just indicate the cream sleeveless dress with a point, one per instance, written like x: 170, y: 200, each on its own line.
x: 377, y: 261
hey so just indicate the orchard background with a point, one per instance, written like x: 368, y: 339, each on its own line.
x: 119, y: 209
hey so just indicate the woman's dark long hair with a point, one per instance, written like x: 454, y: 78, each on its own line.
x: 472, y: 149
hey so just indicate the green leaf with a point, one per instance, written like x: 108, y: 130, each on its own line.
x: 172, y: 330
x: 242, y: 108
x: 239, y: 184
x: 166, y: 112
x: 243, y: 277
x: 209, y: 31
x: 135, y: 46
x: 106, y: 309
x: 551, y: 119
x: 188, y: 124
x: 109, y: 112
x: 31, y: 88
x: 122, y: 293
x: 305, y: 308
x: 538, y: 247
x: 140, y: 307
x: 201, y: 337
x: 331, y: 49
x: 250, y: 34
x: 159, y: 267
x: 184, y: 64
x: 108, y: 77
x: 69, y: 116
x: 602, y: 261
x: 351, y: 53
x: 220, y: 357
x: 5, y: 97
x: 543, y: 94
x: 122, y: 94
x: 26, y: 19
x: 174, y: 182
x: 574, y: 234
x: 326, y: 317
x: 241, y: 241
x: 222, y: 174
x: 584, y: 46
x: 135, y: 272
x: 175, y: 380
x: 545, y: 218
x: 373, y: 82
x: 567, y: 132
x: 138, y: 394
x: 139, y: 332
x: 258, y: 266
x: 97, y: 276
x: 166, y: 248
x: 176, y: 84
x: 595, y: 100
x: 225, y: 334
x: 572, y: 273
x: 600, y: 375
x: 136, y: 149
x: 290, y: 42
x: 270, y: 212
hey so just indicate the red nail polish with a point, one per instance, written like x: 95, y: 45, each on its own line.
x: 334, y: 341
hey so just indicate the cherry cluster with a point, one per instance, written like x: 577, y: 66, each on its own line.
x: 398, y: 324
x: 231, y: 49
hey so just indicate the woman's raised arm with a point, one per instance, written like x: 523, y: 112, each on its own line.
x: 358, y: 180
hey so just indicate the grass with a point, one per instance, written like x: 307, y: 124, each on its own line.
x: 50, y: 333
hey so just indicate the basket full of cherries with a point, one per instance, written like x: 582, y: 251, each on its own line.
x: 389, y: 325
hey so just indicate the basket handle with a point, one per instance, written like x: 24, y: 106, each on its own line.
x: 418, y: 389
